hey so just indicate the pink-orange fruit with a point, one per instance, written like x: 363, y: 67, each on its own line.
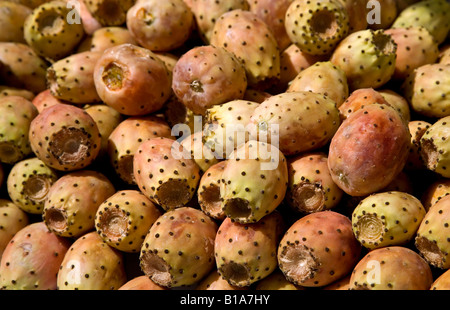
x: 141, y: 283
x: 12, y: 220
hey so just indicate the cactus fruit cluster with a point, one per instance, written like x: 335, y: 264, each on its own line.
x: 239, y: 145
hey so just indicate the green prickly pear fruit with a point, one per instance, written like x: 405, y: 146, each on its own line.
x: 109, y: 12
x: 28, y: 184
x: 91, y: 264
x: 214, y: 281
x: 12, y: 19
x: 32, y: 258
x: 179, y: 248
x: 13, y: 219
x: 106, y: 37
x: 318, y: 249
x: 208, y: 192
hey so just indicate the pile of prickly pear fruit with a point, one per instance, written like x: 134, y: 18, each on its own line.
x: 225, y: 145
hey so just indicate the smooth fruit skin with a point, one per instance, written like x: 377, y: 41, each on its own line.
x: 12, y: 220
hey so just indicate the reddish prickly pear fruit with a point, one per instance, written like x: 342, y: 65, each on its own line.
x: 322, y: 78
x: 13, y: 219
x: 318, y: 249
x: 32, y: 258
x: 160, y: 26
x: 417, y: 128
x: 388, y: 12
x: 367, y: 58
x: 253, y: 43
x: 72, y: 78
x: 125, y: 139
x: 432, y: 235
x: 214, y: 281
x: 49, y: 31
x: 246, y: 253
x: 387, y: 219
x: 91, y: 264
x: 132, y: 80
x: 277, y: 281
x: 28, y: 184
x: 141, y: 283
x: 391, y: 268
x: 45, y: 99
x: 179, y: 248
x: 442, y: 282
x: 65, y: 137
x: 124, y: 219
x: 109, y: 12
x: 317, y: 26
x: 14, y: 91
x: 398, y: 102
x: 246, y: 201
x: 165, y: 172
x: 311, y: 188
x: 369, y: 149
x: 431, y: 14
x: 200, y: 153
x: 208, y: 192
x: 359, y: 98
x: 21, y: 67
x: 12, y: 18
x: 435, y: 192
x: 302, y: 121
x: 206, y: 76
x: 355, y: 10
x: 106, y: 37
x: 73, y: 201
x: 415, y: 47
x: 435, y: 147
x: 16, y: 116
x: 427, y: 89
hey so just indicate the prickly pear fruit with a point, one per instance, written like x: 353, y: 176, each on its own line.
x: 398, y: 102
x: 81, y: 13
x: 124, y: 219
x: 367, y: 57
x: 316, y: 26
x: 179, y: 248
x: 355, y: 10
x: 369, y: 149
x: 178, y: 115
x: 391, y: 268
x: 417, y: 128
x: 109, y: 12
x: 14, y: 91
x: 359, y: 98
x: 13, y: 219
x: 435, y: 147
x: 106, y: 37
x: 45, y: 99
x: 28, y: 184
x: 435, y: 192
x: 387, y: 219
x: 442, y: 282
x: 214, y: 281
x: 444, y: 55
x: 206, y: 76
x: 49, y: 32
x: 65, y: 137
x: 432, y: 235
x: 318, y: 249
x: 208, y: 193
x: 203, y: 156
x: 302, y: 121
x: 141, y: 283
x: 132, y: 80
x: 160, y: 26
x: 277, y: 281
x: 165, y: 172
x: 311, y: 188
x: 243, y: 200
x: 73, y: 200
x: 91, y: 264
x: 251, y: 40
x: 16, y: 116
x: 12, y: 18
x: 32, y: 258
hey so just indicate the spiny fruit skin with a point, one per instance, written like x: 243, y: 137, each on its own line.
x: 432, y: 235
x: 109, y: 12
x: 391, y: 268
x: 359, y: 98
x: 208, y: 193
x: 28, y: 184
x: 369, y: 149
x: 16, y: 116
x: 435, y: 192
x: 435, y: 147
x: 214, y: 281
x: 254, y: 182
x: 12, y: 220
x: 387, y: 219
x: 91, y: 264
x: 179, y: 248
x: 73, y: 200
x: 165, y: 172
x: 124, y: 219
x: 323, y: 78
x: 206, y: 76
x: 65, y: 137
x: 141, y: 283
x: 160, y: 26
x: 431, y: 14
x: 442, y: 282
x: 367, y: 57
x: 72, y: 78
x: 32, y: 258
x: 311, y: 188
x: 427, y: 89
x: 417, y: 128
x: 106, y: 37
x: 57, y: 39
x: 317, y: 26
x: 252, y: 42
x: 277, y: 281
x: 125, y: 139
x: 318, y: 249
x: 302, y: 121
x: 246, y: 253
x: 12, y: 18
x: 132, y: 80
x: 201, y: 153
